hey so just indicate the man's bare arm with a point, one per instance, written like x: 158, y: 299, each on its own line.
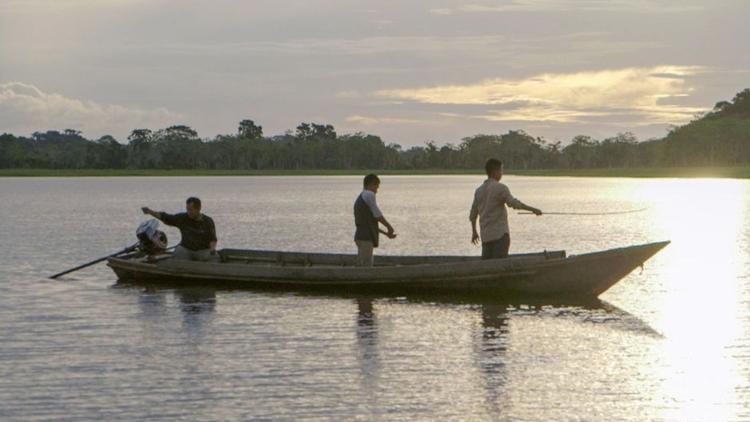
x: 474, y: 232
x: 514, y: 203
x: 521, y: 206
x: 385, y: 222
x: 391, y: 235
x: 473, y: 217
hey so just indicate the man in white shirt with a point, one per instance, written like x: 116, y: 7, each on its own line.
x: 367, y: 215
x: 489, y: 204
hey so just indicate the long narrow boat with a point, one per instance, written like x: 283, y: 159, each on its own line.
x: 538, y: 274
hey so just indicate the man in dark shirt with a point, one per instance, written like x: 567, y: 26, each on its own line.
x: 198, y: 231
x: 367, y: 215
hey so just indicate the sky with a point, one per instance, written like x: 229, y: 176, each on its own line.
x: 409, y: 71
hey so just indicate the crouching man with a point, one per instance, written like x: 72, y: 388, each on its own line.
x: 197, y: 230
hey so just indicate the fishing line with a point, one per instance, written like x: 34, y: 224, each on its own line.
x: 587, y: 213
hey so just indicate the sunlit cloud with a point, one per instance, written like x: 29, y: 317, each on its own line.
x: 626, y: 118
x: 633, y: 6
x: 640, y: 94
x: 541, y: 113
x: 25, y: 108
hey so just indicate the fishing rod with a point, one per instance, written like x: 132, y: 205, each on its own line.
x: 586, y: 213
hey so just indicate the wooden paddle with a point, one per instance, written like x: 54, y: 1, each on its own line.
x: 96, y: 261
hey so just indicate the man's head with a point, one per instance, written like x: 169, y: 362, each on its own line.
x: 371, y: 182
x: 494, y: 168
x: 193, y: 207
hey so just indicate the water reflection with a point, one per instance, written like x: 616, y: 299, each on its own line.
x: 704, y: 265
x: 367, y: 348
x: 481, y: 360
x: 491, y: 357
x: 151, y: 302
x: 197, y: 301
x: 258, y: 351
x: 197, y: 307
x: 367, y: 329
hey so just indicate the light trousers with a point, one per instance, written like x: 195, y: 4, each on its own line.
x: 364, y: 253
x: 200, y: 255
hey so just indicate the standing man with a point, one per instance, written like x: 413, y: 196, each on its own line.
x: 489, y: 204
x: 367, y: 215
x: 197, y: 230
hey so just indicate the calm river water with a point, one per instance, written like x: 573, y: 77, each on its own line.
x: 669, y: 343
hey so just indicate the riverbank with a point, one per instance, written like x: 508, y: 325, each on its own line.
x: 741, y: 172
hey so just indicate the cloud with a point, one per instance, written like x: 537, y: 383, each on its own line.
x: 24, y: 108
x: 361, y: 46
x: 400, y: 55
x: 372, y: 121
x: 633, y: 6
x: 633, y: 117
x: 637, y: 95
x: 56, y: 6
x: 442, y: 11
x: 542, y: 113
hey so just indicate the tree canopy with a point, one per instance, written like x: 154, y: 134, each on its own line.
x: 720, y: 137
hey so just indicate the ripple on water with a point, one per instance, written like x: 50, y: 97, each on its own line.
x: 670, y: 343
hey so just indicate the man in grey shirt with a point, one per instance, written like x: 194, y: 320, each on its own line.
x: 489, y: 204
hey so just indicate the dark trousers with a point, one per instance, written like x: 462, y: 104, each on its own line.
x: 497, y: 248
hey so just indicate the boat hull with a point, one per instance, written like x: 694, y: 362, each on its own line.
x: 548, y: 274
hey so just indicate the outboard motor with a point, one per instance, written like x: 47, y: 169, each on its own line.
x: 152, y: 240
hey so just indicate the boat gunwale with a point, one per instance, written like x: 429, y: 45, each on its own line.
x: 415, y: 273
x: 338, y: 274
x: 292, y: 257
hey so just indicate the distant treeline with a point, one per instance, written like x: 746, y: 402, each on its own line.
x: 720, y: 137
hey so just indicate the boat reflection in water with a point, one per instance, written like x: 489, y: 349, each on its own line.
x: 393, y: 337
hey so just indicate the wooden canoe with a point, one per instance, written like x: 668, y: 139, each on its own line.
x: 537, y: 274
